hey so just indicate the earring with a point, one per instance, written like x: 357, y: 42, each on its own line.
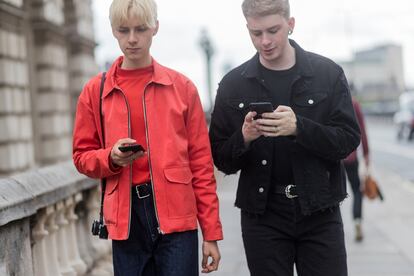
x: 290, y: 32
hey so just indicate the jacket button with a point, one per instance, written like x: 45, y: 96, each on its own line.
x: 261, y: 190
x: 310, y: 101
x: 264, y: 162
x: 241, y: 105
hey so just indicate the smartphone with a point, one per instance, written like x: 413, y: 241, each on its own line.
x: 260, y: 107
x: 131, y: 147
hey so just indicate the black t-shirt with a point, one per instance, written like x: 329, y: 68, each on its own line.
x: 279, y: 85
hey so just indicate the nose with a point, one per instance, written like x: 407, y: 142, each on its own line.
x: 266, y: 39
x: 132, y: 37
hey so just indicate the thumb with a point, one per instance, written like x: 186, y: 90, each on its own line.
x: 281, y: 108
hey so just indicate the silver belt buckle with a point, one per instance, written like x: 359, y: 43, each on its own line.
x: 287, y: 191
x: 139, y: 196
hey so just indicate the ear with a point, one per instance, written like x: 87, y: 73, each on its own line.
x: 157, y: 25
x: 291, y: 23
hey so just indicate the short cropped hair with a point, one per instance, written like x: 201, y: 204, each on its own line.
x: 254, y: 8
x: 145, y: 10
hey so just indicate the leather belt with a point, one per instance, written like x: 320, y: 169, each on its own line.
x: 289, y: 190
x: 142, y: 190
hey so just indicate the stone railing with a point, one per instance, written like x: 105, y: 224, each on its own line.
x: 45, y: 224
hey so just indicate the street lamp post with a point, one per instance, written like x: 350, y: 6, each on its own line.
x: 206, y: 46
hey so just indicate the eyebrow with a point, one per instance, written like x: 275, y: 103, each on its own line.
x: 272, y: 27
x: 137, y: 26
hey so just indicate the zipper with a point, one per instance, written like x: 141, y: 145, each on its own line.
x: 130, y: 166
x: 149, y: 159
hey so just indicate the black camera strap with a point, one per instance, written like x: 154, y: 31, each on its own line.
x: 103, y: 180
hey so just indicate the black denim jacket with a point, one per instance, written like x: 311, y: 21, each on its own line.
x: 327, y: 132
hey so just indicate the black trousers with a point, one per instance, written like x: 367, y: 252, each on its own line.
x: 354, y: 180
x: 282, y: 237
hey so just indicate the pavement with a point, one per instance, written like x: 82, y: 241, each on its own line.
x: 388, y: 245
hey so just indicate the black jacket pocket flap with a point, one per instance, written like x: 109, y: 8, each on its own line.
x: 310, y: 100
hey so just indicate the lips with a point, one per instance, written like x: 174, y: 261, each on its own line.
x: 268, y: 51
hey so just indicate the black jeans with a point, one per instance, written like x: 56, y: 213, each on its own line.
x: 354, y: 180
x: 148, y: 253
x: 282, y: 237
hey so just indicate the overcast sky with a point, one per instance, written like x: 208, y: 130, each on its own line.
x: 333, y: 28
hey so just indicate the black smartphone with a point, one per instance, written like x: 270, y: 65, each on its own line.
x: 260, y: 107
x: 131, y: 147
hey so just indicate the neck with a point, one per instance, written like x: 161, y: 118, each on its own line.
x: 136, y: 64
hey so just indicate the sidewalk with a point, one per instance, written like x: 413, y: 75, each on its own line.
x: 388, y: 247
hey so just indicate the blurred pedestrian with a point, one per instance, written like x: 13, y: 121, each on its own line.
x: 154, y: 197
x: 352, y: 170
x: 291, y: 174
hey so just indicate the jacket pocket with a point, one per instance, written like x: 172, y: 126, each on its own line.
x: 111, y: 200
x: 180, y: 194
x: 310, y: 100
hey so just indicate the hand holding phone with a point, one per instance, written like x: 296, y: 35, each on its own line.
x: 260, y: 108
x: 131, y: 147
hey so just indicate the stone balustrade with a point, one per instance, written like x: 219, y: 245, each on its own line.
x: 45, y: 223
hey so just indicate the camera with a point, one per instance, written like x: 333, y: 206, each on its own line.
x: 99, y: 229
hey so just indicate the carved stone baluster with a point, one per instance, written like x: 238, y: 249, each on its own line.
x: 83, y: 229
x: 40, y: 259
x: 62, y: 241
x: 50, y: 242
x: 73, y: 251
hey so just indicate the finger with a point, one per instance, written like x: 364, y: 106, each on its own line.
x: 125, y: 141
x: 269, y: 115
x: 204, y: 261
x: 267, y: 122
x: 214, y: 264
x: 250, y: 116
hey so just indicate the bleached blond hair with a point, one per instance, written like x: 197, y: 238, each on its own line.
x: 145, y: 10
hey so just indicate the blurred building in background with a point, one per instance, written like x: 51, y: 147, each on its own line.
x: 46, y: 56
x: 377, y: 75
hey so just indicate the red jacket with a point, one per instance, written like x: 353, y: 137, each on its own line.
x: 178, y: 150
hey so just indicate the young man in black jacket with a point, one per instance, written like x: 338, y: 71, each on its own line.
x: 292, y: 179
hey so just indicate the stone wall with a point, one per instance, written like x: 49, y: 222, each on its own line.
x: 45, y: 223
x: 46, y: 56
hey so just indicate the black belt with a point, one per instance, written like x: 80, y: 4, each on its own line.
x: 289, y: 190
x: 142, y: 190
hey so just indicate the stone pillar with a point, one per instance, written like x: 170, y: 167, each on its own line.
x: 80, y: 38
x: 16, y: 148
x: 52, y: 118
x: 15, y: 250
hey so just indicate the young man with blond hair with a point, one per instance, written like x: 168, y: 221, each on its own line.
x: 154, y: 197
x: 291, y: 176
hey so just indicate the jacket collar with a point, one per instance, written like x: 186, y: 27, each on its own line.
x: 159, y: 76
x: 302, y: 61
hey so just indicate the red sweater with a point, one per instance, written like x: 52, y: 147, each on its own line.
x: 132, y: 83
x: 352, y: 157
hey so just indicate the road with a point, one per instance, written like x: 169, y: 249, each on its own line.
x: 387, y: 151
